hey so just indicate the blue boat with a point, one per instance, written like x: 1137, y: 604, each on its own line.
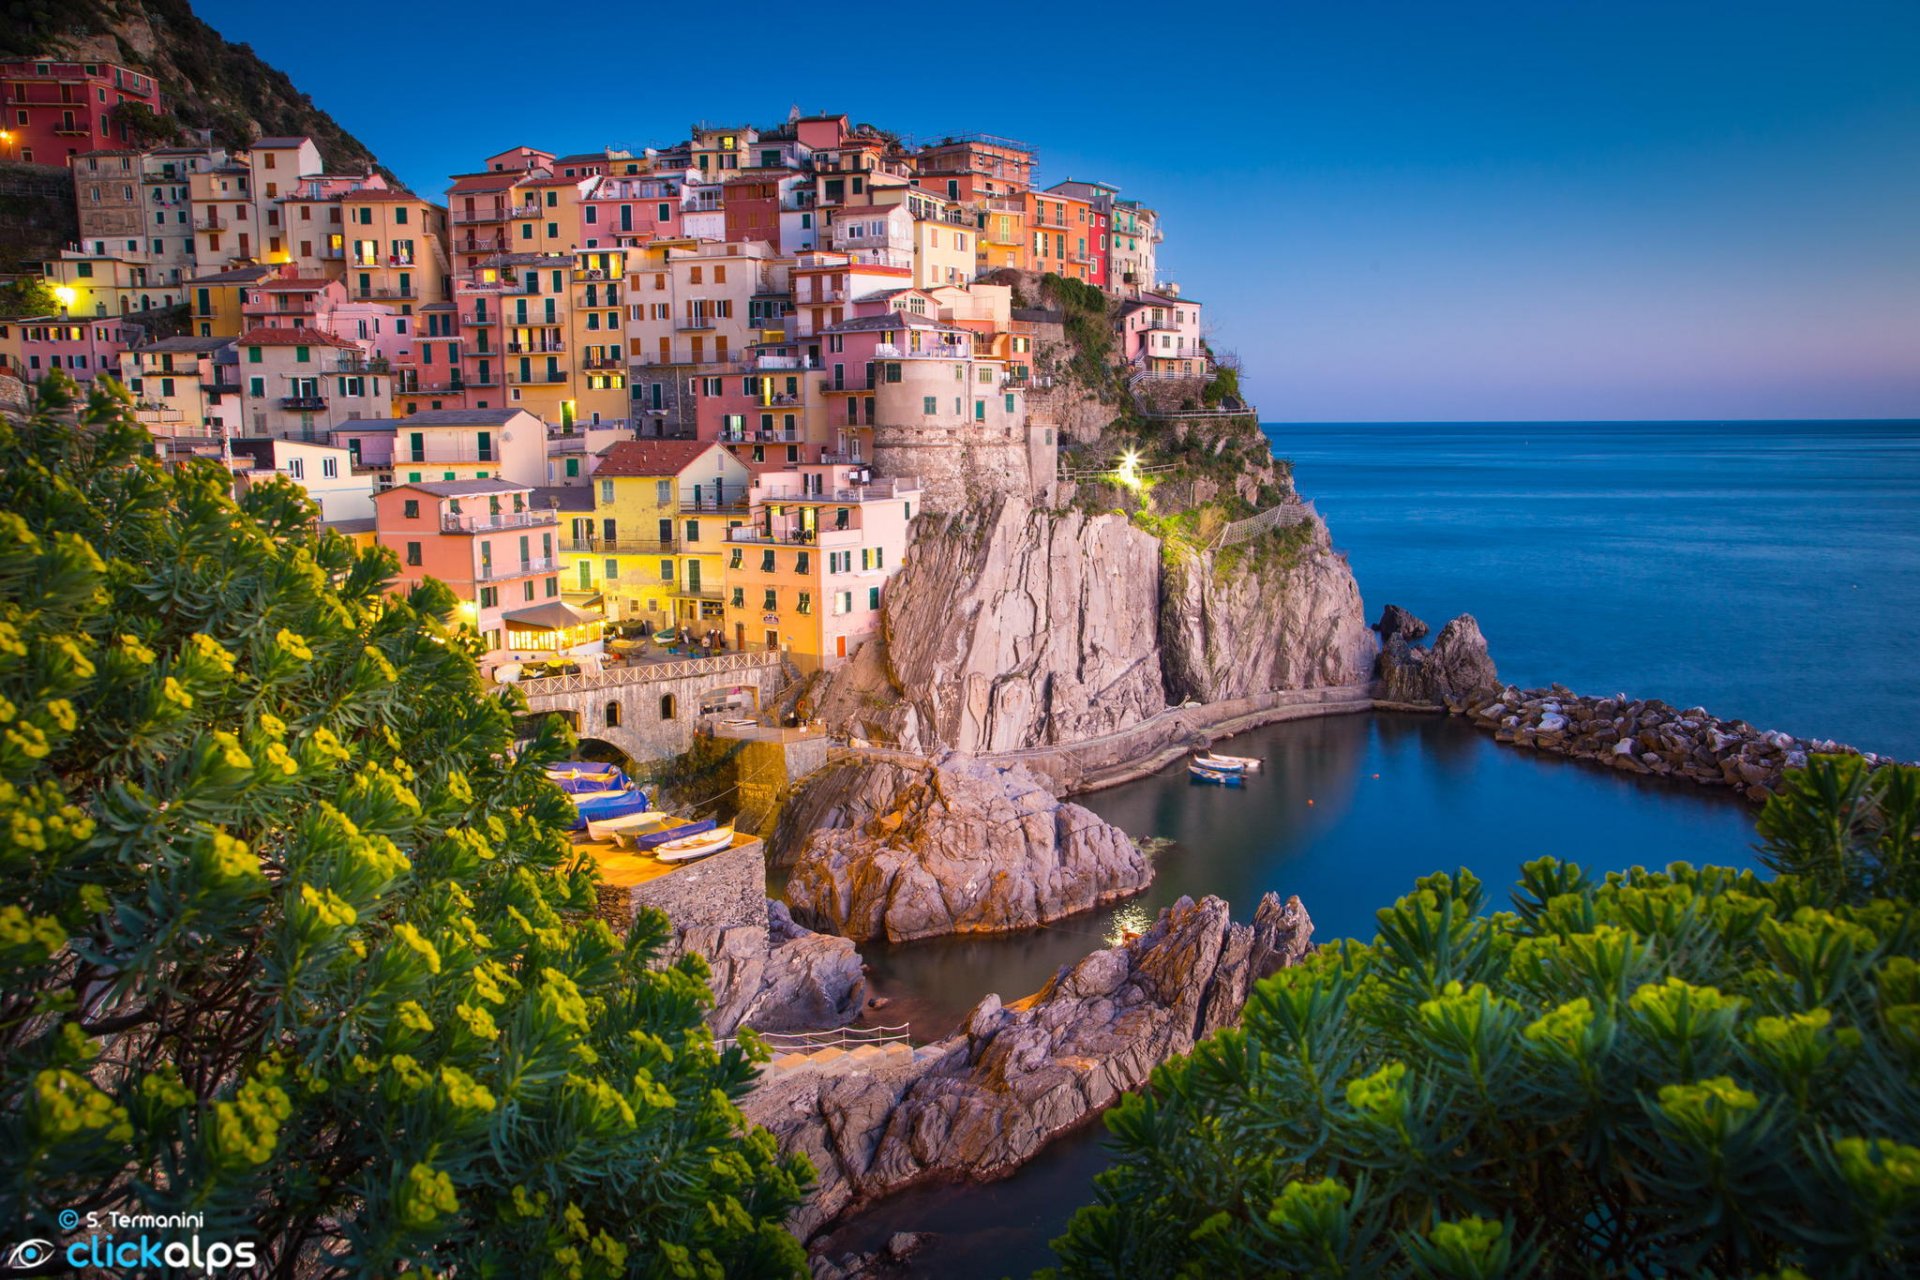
x: 576, y: 776
x: 680, y: 832
x: 1216, y: 777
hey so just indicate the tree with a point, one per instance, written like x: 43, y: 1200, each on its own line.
x: 292, y: 935
x: 1689, y: 1072
x: 144, y: 126
x: 27, y: 296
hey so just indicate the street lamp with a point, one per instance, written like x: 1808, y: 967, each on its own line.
x: 6, y: 142
x: 1129, y: 469
x: 64, y: 295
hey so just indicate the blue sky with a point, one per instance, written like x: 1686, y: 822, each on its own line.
x: 1563, y: 209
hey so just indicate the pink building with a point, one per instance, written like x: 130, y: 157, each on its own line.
x: 81, y: 348
x: 498, y: 553
x: 1160, y: 335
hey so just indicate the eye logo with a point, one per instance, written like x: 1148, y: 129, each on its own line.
x: 29, y: 1253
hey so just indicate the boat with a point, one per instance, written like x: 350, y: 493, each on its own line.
x: 609, y: 828
x: 1228, y: 764
x: 669, y: 636
x: 508, y: 672
x: 654, y: 839
x: 1219, y: 777
x: 607, y: 806
x: 579, y: 776
x: 688, y: 848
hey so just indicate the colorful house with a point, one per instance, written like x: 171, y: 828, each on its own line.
x: 57, y: 110
x: 184, y: 386
x: 299, y: 382
x: 805, y: 573
x: 460, y: 444
x: 497, y: 552
x: 1160, y: 335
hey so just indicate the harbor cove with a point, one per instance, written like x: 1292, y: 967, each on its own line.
x: 1272, y: 644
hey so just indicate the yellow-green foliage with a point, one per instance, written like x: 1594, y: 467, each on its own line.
x: 292, y: 935
x: 1688, y: 1073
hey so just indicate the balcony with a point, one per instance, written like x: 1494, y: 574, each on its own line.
x: 761, y: 437
x: 525, y: 211
x: 478, y: 319
x: 589, y: 273
x: 362, y: 364
x: 487, y: 521
x: 712, y: 506
x: 545, y: 346
x: 536, y: 377
x: 408, y: 294
x: 695, y: 324
x: 304, y: 403
x: 929, y: 351
x: 445, y: 451
x: 621, y: 546
x: 793, y: 537
x: 466, y: 216
x: 209, y: 222
x: 785, y: 362
x: 525, y: 569
x: 331, y: 253
x: 604, y: 361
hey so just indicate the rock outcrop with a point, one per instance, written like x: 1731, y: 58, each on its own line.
x: 1015, y: 627
x: 984, y: 1101
x: 777, y: 976
x: 1454, y: 671
x: 1279, y: 612
x: 960, y: 847
x: 1646, y: 735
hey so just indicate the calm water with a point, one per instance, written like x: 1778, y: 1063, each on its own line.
x: 1768, y: 571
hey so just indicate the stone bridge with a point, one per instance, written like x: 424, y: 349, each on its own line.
x: 654, y: 709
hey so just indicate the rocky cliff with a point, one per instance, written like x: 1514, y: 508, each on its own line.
x: 1281, y: 613
x: 959, y: 847
x: 982, y: 1102
x: 1453, y: 671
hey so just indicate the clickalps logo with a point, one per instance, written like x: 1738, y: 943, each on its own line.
x: 130, y: 1244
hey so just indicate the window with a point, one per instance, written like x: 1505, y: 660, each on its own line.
x: 330, y: 468
x: 733, y: 562
x: 843, y: 602
x: 873, y: 598
x: 805, y: 603
x: 666, y: 571
x: 893, y: 372
x: 929, y: 405
x: 739, y: 597
x: 1009, y: 398
x: 662, y: 492
x: 606, y: 494
x: 668, y: 707
x: 253, y: 353
x: 693, y: 531
x: 766, y: 561
x: 413, y: 553
x: 612, y: 715
x: 770, y: 601
x: 489, y: 597
x: 297, y: 468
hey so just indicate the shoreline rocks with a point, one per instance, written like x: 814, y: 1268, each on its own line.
x: 1455, y: 669
x: 777, y: 976
x: 1648, y: 736
x: 982, y: 1102
x: 962, y: 847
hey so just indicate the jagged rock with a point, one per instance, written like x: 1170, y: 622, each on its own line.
x: 984, y: 1101
x: 1457, y: 669
x: 963, y: 847
x: 1287, y: 620
x: 777, y: 977
x: 1395, y: 621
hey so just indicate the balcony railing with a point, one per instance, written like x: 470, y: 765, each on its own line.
x: 444, y: 452
x: 303, y: 402
x: 874, y: 491
x: 691, y: 324
x: 603, y: 361
x: 525, y: 211
x: 690, y: 506
x: 405, y: 294
x: 477, y: 215
x: 545, y: 346
x: 622, y: 546
x: 930, y: 351
x: 332, y: 252
x: 360, y: 364
x: 525, y: 569
x: 209, y: 222
x: 487, y: 521
x: 785, y: 362
x: 479, y: 319
x: 793, y: 537
x: 758, y: 436
x: 862, y: 383
x: 536, y: 377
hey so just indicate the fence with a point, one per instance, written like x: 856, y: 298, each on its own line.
x: 669, y: 670
x: 1284, y: 516
x: 837, y: 1038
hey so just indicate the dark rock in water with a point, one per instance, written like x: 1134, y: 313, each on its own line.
x: 780, y: 977
x: 1395, y: 621
x: 1455, y: 671
x: 984, y: 1101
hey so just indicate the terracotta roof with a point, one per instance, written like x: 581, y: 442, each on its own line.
x: 459, y: 488
x: 562, y: 497
x: 299, y: 336
x: 236, y: 275
x: 649, y: 457
x: 555, y: 181
x: 296, y: 284
x: 167, y: 346
x: 463, y: 417
x: 279, y: 144
x: 382, y: 194
x: 487, y: 181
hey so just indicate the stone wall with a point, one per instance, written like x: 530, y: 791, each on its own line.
x: 724, y: 891
x: 767, y: 771
x: 961, y: 464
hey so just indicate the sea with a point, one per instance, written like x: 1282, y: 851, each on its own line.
x: 1764, y: 570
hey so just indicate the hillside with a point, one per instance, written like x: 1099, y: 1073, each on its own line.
x: 207, y: 82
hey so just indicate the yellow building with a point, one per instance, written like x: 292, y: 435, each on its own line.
x: 216, y: 299
x: 1003, y: 239
x: 545, y: 214
x: 394, y: 248
x: 943, y: 251
x: 596, y: 344
x: 655, y: 544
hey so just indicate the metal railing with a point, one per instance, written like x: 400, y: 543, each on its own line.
x: 933, y: 351
x: 485, y: 522
x: 847, y: 1038
x: 1284, y: 516
x: 525, y: 569
x: 643, y: 673
x: 621, y: 546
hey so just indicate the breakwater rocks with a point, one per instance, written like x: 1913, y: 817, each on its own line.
x: 984, y: 1101
x: 1456, y: 668
x: 1645, y: 735
x: 963, y: 846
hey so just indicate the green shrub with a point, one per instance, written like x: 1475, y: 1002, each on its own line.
x: 1694, y: 1072
x: 292, y: 935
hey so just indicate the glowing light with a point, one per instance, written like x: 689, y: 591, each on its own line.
x: 64, y: 296
x: 1129, y: 469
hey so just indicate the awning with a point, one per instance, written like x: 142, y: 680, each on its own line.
x: 555, y: 615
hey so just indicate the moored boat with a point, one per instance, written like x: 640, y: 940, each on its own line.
x: 1228, y: 764
x: 688, y: 848
x: 1219, y: 777
x: 610, y: 828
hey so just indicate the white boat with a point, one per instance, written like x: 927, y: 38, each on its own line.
x: 579, y: 796
x: 693, y: 847
x: 1219, y: 777
x: 606, y: 828
x: 1230, y: 764
x: 508, y: 672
